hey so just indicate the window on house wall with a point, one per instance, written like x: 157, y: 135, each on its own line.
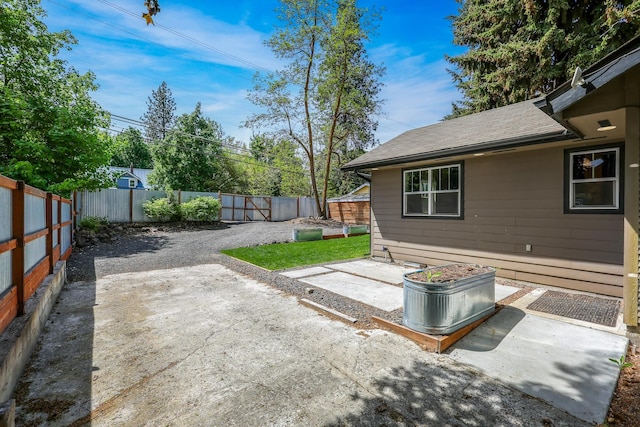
x: 434, y: 191
x: 593, y: 180
x: 132, y: 183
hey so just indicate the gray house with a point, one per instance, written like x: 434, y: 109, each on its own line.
x: 546, y: 190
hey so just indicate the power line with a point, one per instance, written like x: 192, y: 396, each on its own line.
x: 203, y: 152
x: 192, y: 40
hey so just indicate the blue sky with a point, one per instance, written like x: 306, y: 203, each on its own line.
x: 223, y: 48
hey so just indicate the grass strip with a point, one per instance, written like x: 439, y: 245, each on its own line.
x: 279, y: 256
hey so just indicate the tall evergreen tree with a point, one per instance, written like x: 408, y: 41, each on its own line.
x: 327, y: 95
x: 519, y: 49
x: 160, y: 115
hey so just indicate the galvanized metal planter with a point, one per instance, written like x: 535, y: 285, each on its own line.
x: 442, y: 308
x: 306, y: 234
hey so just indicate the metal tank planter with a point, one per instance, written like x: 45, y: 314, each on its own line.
x: 441, y: 300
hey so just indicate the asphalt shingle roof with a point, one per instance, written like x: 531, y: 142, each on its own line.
x: 513, y: 125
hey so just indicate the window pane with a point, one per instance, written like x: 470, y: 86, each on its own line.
x: 579, y: 166
x: 424, y: 180
x: 454, y: 178
x: 435, y: 179
x: 444, y: 182
x: 604, y: 165
x: 594, y: 194
x: 417, y: 204
x: 445, y: 203
x: 411, y: 181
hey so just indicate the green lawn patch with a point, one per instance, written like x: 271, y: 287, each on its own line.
x: 287, y: 255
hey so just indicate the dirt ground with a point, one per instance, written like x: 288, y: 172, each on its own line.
x: 625, y: 405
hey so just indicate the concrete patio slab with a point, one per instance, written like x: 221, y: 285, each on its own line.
x: 203, y: 346
x: 313, y: 271
x: 390, y: 273
x: 563, y: 364
x: 503, y: 291
x: 377, y: 294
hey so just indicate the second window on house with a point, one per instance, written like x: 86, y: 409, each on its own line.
x: 433, y: 191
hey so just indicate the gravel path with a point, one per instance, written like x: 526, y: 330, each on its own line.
x: 136, y: 249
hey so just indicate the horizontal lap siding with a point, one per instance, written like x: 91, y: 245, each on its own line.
x: 510, y: 200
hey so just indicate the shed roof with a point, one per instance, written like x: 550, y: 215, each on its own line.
x: 510, y: 126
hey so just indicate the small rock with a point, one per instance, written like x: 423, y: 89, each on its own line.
x: 611, y: 420
x: 308, y: 290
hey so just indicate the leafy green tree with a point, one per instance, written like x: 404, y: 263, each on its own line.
x: 327, y: 95
x: 275, y: 168
x: 519, y: 49
x: 160, y: 115
x: 130, y: 149
x: 191, y: 157
x: 48, y: 122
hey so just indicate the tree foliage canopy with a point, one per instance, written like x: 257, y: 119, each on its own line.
x: 519, y: 49
x: 129, y: 149
x: 327, y: 95
x: 191, y: 157
x: 48, y: 122
x: 275, y: 168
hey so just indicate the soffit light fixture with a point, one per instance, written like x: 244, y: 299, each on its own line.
x: 605, y: 125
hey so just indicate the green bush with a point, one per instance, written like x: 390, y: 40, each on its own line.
x: 201, y: 209
x: 93, y: 222
x: 164, y: 209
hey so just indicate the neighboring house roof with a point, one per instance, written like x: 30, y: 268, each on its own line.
x: 141, y: 174
x: 360, y: 194
x: 500, y: 128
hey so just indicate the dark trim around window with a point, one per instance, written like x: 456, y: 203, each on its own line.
x: 567, y: 171
x: 433, y: 166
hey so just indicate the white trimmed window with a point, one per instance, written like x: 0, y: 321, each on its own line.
x: 432, y: 191
x: 594, y: 179
x: 132, y: 183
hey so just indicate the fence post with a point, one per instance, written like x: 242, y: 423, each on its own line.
x: 130, y: 206
x: 49, y: 220
x: 74, y: 221
x: 17, y: 259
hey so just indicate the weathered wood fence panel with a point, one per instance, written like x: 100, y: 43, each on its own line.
x: 123, y: 205
x: 35, y: 233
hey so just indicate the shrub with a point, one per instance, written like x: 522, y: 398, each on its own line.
x: 93, y: 222
x: 164, y: 209
x: 201, y: 209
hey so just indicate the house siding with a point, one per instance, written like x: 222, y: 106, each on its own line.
x: 510, y: 200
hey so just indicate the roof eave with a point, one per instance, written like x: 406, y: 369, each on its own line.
x: 466, y: 150
x: 596, y: 76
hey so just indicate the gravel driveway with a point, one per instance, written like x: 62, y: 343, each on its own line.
x: 156, y: 247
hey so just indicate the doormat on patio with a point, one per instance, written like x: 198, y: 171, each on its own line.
x: 603, y: 311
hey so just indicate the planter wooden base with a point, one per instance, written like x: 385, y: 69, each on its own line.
x: 433, y: 343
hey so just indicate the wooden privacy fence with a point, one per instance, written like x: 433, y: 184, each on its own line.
x: 123, y: 205
x: 35, y: 233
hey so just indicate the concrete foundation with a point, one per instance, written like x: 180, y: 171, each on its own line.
x: 17, y: 354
